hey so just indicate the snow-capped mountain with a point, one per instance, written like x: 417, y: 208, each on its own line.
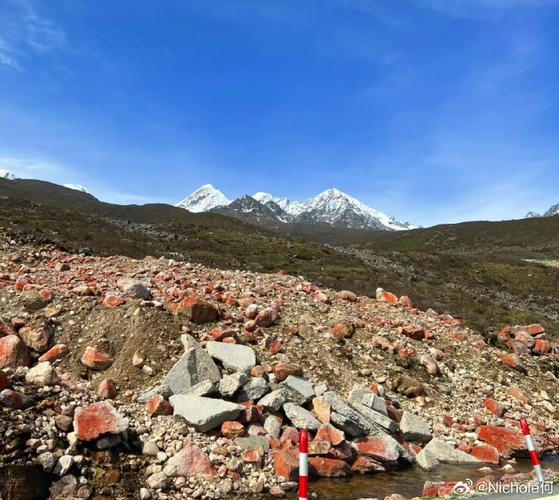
x: 287, y: 205
x: 6, y: 174
x: 554, y: 210
x: 329, y: 207
x: 204, y: 199
x: 337, y: 208
x: 77, y: 187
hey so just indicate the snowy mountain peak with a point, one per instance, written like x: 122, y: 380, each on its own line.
x: 77, y: 187
x: 336, y: 207
x: 6, y: 174
x: 203, y: 199
x: 554, y: 210
x: 332, y: 207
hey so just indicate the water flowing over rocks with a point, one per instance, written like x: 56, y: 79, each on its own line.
x: 155, y: 378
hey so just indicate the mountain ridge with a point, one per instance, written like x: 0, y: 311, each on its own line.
x: 331, y: 206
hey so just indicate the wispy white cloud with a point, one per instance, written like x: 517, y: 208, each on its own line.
x: 33, y: 168
x: 25, y: 31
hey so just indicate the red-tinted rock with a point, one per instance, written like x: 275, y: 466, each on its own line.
x: 107, y: 389
x: 329, y: 433
x: 113, y: 301
x: 266, y: 317
x: 365, y: 465
x: 413, y: 332
x: 97, y: 419
x: 190, y: 461
x: 376, y: 447
x: 347, y: 295
x: 343, y: 330
x: 505, y: 440
x: 290, y: 436
x: 286, y: 463
x: 384, y: 296
x: 430, y: 489
x: 54, y: 353
x: 328, y: 467
x: 322, y: 298
x: 15, y: 400
x: 92, y: 358
x: 197, y: 310
x: 542, y: 346
x: 513, y: 360
x: 252, y: 456
x: 35, y: 338
x: 405, y: 301
x: 6, y: 329
x: 494, y: 407
x: 515, y: 392
x: 275, y: 346
x: 158, y: 406
x: 486, y: 453
x: 283, y: 370
x: 232, y: 429
x: 534, y: 329
x: 13, y: 352
x: 321, y: 409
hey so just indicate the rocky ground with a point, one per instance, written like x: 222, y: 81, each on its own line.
x: 161, y: 379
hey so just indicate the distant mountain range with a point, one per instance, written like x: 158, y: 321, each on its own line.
x: 554, y: 210
x: 331, y: 207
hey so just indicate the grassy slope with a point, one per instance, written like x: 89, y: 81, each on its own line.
x: 474, y: 270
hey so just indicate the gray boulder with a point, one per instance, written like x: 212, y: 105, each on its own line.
x: 301, y: 418
x: 135, y: 288
x: 437, y: 451
x: 362, y: 395
x: 254, y: 389
x: 204, y: 413
x: 204, y: 388
x: 233, y: 356
x: 230, y: 384
x: 159, y: 390
x: 274, y: 400
x: 356, y: 423
x: 300, y: 387
x: 415, y: 428
x: 195, y: 366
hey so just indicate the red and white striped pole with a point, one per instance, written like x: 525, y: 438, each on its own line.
x: 532, y: 450
x: 303, y: 464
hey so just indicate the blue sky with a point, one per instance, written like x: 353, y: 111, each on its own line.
x: 430, y: 110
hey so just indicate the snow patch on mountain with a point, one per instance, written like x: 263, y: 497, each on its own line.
x: 204, y: 199
x: 333, y: 206
x: 290, y: 206
x: 554, y: 210
x: 6, y: 174
x: 76, y: 187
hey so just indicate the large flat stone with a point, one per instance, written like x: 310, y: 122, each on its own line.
x: 362, y: 395
x: 233, y: 356
x: 356, y: 423
x: 253, y: 390
x: 195, y: 366
x: 204, y: 413
x: 415, y: 428
x: 301, y: 387
x: 437, y: 451
x: 301, y: 418
x: 274, y: 400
